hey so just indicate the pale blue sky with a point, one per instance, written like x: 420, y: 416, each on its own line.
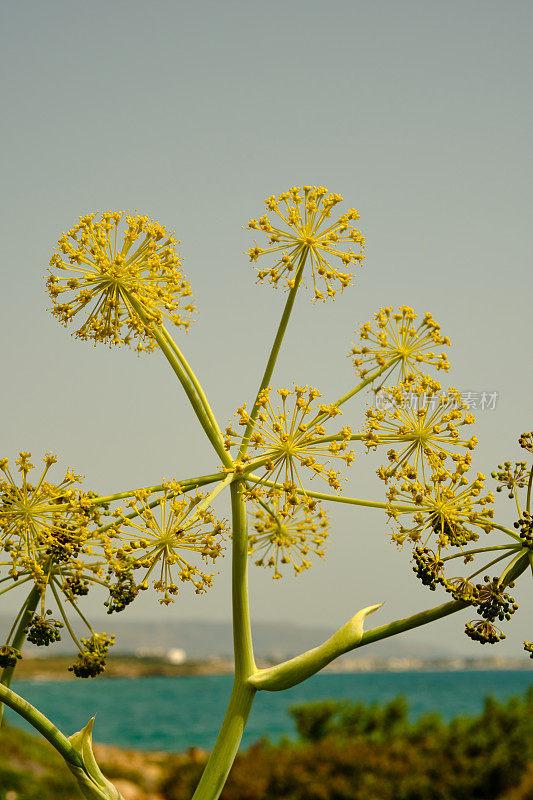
x: 418, y: 113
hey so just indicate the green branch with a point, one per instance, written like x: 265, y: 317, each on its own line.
x: 296, y: 670
x: 41, y: 724
x: 271, y: 363
x: 335, y: 498
x: 26, y: 615
x: 177, y: 367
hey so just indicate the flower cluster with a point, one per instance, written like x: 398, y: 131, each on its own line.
x: 45, y: 526
x: 124, y: 281
x: 285, y: 536
x: 423, y: 423
x: 158, y: 537
x: 307, y: 231
x: 397, y: 342
x: 446, y: 507
x: 48, y: 533
x: 511, y: 477
x: 292, y: 436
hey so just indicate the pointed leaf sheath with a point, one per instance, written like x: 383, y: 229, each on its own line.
x: 298, y: 669
x: 92, y: 783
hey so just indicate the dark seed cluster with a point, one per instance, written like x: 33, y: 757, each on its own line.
x: 525, y: 526
x: 9, y: 656
x: 121, y: 594
x: 92, y: 660
x: 428, y: 567
x: 483, y: 632
x: 43, y: 632
x: 75, y: 586
x: 461, y: 589
x: 526, y: 441
x: 493, y: 603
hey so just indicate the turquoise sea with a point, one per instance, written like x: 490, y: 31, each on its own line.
x: 172, y: 714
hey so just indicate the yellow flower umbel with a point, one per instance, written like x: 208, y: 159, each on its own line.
x: 162, y: 546
x: 47, y: 533
x: 307, y: 230
x: 446, y: 507
x: 105, y: 273
x: 423, y: 423
x: 292, y: 438
x: 398, y: 342
x: 40, y: 522
x: 288, y: 537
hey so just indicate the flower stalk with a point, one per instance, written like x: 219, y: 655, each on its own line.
x: 19, y: 637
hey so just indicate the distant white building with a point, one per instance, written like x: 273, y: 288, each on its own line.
x: 176, y: 655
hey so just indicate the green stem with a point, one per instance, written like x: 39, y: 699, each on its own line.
x: 414, y: 621
x: 227, y: 743
x: 78, y: 610
x: 364, y: 384
x: 502, y: 528
x: 15, y: 585
x: 298, y: 669
x: 271, y: 363
x: 189, y: 389
x: 481, y: 550
x: 242, y: 632
x: 270, y: 511
x: 186, y: 485
x: 241, y: 699
x: 529, y: 488
x: 195, y: 382
x: 506, y: 576
x: 335, y: 498
x: 65, y: 618
x: 41, y: 724
x: 194, y: 483
x: 19, y: 637
x: 356, y: 437
x: 213, y: 435
x: 355, y: 390
x: 485, y: 567
x: 216, y: 491
x: 432, y: 614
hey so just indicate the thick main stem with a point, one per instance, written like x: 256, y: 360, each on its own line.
x: 242, y: 695
x: 20, y: 635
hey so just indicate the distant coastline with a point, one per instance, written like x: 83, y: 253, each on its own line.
x: 132, y: 666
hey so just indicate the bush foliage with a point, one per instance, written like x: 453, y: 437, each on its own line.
x: 373, y: 752
x: 345, y: 751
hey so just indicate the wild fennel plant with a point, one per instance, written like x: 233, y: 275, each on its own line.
x: 119, y: 277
